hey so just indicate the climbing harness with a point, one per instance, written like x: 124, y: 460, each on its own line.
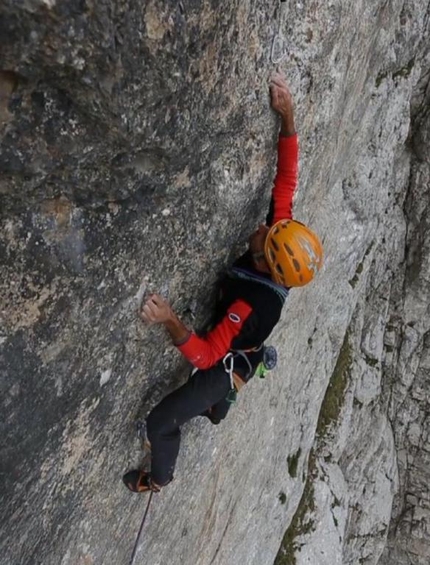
x: 278, y: 52
x: 136, y: 545
x: 269, y: 362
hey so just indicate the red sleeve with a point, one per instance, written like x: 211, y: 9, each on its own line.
x: 204, y: 352
x: 285, y: 180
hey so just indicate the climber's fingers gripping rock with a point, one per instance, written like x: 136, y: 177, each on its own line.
x: 282, y: 101
x: 156, y: 310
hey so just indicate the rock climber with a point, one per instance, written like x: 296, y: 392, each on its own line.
x: 283, y: 253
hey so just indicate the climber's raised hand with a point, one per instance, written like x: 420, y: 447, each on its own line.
x: 156, y: 310
x: 282, y: 103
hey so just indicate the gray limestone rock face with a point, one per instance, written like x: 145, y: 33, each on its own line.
x: 370, y: 488
x: 137, y: 151
x: 409, y: 377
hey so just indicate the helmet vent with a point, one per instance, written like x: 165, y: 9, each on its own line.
x: 279, y: 269
x: 296, y: 265
x: 271, y: 255
x: 289, y: 250
x: 275, y: 245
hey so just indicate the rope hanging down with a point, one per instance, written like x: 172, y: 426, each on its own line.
x: 136, y: 545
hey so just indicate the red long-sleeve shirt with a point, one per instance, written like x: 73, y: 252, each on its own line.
x: 204, y: 352
x: 285, y: 181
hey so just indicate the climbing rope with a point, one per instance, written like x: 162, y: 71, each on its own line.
x: 136, y: 545
x: 278, y: 52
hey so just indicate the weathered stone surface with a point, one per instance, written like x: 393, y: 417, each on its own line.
x: 137, y: 148
x: 408, y: 377
x: 373, y: 462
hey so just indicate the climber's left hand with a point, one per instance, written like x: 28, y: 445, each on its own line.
x: 156, y: 310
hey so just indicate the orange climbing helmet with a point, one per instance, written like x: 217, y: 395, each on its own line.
x: 294, y: 253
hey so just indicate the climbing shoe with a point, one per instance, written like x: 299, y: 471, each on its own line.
x: 208, y: 414
x: 140, y: 481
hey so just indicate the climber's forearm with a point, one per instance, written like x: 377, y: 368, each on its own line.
x: 157, y: 310
x: 177, y: 330
x: 287, y: 123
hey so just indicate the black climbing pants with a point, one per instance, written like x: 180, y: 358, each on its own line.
x: 205, y: 389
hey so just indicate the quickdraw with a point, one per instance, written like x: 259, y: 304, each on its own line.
x: 228, y: 363
x: 278, y: 52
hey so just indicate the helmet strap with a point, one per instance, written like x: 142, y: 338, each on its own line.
x: 258, y: 256
x: 260, y: 262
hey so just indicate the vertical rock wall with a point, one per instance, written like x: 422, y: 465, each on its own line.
x: 408, y: 373
x: 137, y: 151
x: 369, y: 472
